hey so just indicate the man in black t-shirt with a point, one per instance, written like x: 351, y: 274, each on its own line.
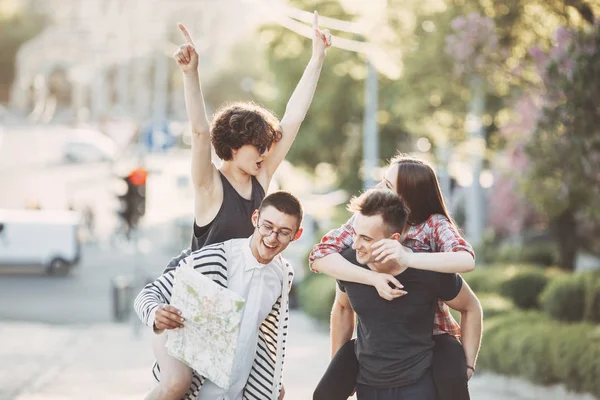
x: 394, y: 344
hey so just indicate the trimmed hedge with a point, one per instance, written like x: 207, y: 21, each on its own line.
x: 486, y: 279
x: 573, y: 297
x: 592, y: 296
x: 592, y: 302
x: 564, y: 299
x: 490, y: 278
x: 494, y: 305
x: 525, y: 287
x: 316, y: 296
x: 539, y: 253
x: 532, y: 346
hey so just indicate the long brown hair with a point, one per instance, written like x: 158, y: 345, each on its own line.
x: 418, y: 185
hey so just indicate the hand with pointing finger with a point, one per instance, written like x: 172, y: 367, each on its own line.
x: 186, y: 56
x: 321, y: 38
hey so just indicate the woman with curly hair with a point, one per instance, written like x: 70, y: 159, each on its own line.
x: 251, y: 143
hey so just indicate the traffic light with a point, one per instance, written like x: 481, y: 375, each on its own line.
x: 133, y: 202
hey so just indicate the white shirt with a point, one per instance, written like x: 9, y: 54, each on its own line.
x: 261, y: 285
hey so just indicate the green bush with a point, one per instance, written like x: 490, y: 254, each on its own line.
x: 592, y: 302
x: 564, y: 298
x: 485, y: 279
x: 532, y: 346
x: 542, y: 253
x: 316, y: 296
x: 525, y: 287
x: 490, y: 278
x: 494, y: 304
x: 592, y: 296
x: 538, y: 253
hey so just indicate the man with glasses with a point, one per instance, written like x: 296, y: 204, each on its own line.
x: 254, y: 269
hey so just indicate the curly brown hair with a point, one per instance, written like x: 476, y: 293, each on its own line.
x: 241, y: 123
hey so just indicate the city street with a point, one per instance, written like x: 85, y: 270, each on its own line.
x: 83, y: 297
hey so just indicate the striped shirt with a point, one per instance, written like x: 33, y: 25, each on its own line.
x: 216, y: 262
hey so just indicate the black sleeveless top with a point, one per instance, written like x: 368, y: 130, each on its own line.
x: 233, y: 221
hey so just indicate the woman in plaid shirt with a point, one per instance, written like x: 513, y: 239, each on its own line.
x: 440, y: 248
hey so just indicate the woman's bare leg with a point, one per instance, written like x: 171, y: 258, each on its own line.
x: 175, y: 376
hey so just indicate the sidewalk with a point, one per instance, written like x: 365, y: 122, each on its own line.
x: 44, y: 362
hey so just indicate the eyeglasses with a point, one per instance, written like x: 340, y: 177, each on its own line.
x: 282, y: 237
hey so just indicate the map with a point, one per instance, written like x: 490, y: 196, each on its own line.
x: 207, y: 342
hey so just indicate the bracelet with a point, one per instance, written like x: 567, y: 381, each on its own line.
x: 469, y: 367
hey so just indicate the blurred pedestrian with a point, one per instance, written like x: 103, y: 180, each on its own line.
x: 89, y: 221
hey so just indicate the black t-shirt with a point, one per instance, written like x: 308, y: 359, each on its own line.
x: 233, y: 221
x: 394, y: 344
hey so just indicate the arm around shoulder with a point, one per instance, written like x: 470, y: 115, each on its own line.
x: 450, y: 251
x: 334, y: 241
x: 451, y: 262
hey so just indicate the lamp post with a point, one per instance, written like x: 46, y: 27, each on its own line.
x: 473, y: 45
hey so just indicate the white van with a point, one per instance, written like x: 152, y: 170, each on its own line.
x: 44, y: 238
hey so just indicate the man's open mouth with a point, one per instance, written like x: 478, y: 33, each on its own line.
x: 269, y: 246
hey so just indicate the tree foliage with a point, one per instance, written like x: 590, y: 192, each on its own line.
x: 429, y: 100
x: 564, y: 150
x: 331, y: 132
x: 422, y: 103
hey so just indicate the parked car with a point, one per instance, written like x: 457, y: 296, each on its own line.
x: 44, y: 238
x: 89, y: 146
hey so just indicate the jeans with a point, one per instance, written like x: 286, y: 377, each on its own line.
x: 448, y: 370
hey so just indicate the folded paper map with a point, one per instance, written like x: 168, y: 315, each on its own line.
x: 207, y: 342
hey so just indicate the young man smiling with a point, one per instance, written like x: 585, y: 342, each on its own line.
x: 254, y: 269
x: 394, y: 344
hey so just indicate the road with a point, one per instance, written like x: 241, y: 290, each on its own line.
x: 83, y: 297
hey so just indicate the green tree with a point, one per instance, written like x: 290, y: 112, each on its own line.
x: 564, y: 151
x: 15, y: 29
x: 331, y: 132
x: 428, y: 100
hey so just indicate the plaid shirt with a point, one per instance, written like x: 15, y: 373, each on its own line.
x: 436, y: 235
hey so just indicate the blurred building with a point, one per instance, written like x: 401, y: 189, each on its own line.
x: 103, y: 59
